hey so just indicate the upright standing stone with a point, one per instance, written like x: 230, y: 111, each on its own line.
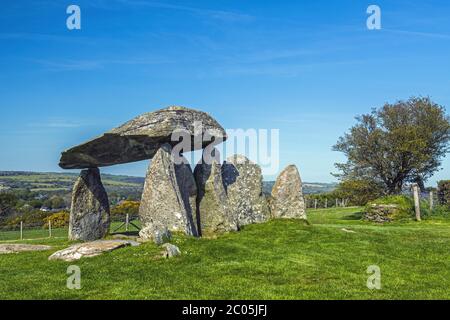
x: 89, y: 214
x: 244, y: 185
x: 169, y: 193
x: 213, y: 215
x: 287, y: 195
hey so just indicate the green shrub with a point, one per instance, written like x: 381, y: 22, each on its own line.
x: 126, y: 207
x: 31, y: 218
x: 58, y: 220
x: 444, y: 192
x: 438, y: 211
x: 358, y: 192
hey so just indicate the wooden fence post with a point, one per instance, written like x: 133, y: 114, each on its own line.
x: 127, y: 221
x: 49, y: 228
x: 315, y: 203
x: 326, y: 203
x: 431, y: 201
x: 336, y: 202
x: 21, y: 230
x: 415, y: 189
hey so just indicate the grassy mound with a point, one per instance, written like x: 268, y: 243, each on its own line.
x: 404, y: 206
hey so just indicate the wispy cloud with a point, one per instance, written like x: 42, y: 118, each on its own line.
x: 420, y: 34
x: 93, y: 64
x: 283, y: 70
x: 30, y: 36
x: 58, y: 123
x: 223, y: 15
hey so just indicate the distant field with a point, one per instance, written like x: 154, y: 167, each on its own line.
x: 281, y: 259
x: 63, y: 182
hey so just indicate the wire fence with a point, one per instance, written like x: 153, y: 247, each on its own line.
x: 38, y: 230
x: 312, y: 203
x: 317, y: 202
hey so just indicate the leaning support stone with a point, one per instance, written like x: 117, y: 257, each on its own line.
x: 168, y: 196
x: 244, y: 185
x: 89, y: 214
x: 287, y: 195
x: 213, y: 215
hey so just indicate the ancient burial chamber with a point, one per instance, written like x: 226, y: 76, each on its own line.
x: 136, y: 140
x: 215, y: 198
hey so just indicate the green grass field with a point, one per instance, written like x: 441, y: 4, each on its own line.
x: 282, y: 259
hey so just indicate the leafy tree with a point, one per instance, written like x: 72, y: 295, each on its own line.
x: 7, y: 203
x: 55, y: 202
x: 359, y: 192
x: 398, y: 143
x: 37, y: 204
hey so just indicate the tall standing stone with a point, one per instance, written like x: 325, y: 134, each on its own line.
x: 213, y: 215
x: 244, y: 185
x: 89, y: 214
x: 287, y: 195
x: 168, y: 197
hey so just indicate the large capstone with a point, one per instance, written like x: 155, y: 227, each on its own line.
x: 140, y: 138
x: 287, y: 195
x: 213, y: 215
x: 244, y: 185
x: 89, y: 213
x: 168, y: 200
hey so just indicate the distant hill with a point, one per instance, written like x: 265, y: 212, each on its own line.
x: 308, y: 187
x: 50, y: 182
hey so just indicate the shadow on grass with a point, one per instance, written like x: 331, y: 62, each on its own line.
x: 126, y: 233
x: 354, y: 216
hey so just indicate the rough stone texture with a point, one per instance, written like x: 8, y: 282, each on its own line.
x: 16, y: 248
x: 90, y: 249
x: 381, y: 213
x: 89, y: 214
x: 213, y: 215
x: 244, y: 185
x: 140, y: 138
x: 287, y: 195
x: 170, y: 251
x: 169, y: 193
x: 158, y: 236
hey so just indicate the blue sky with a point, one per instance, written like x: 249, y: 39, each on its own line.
x: 304, y: 67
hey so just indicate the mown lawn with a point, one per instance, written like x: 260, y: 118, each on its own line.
x: 277, y: 260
